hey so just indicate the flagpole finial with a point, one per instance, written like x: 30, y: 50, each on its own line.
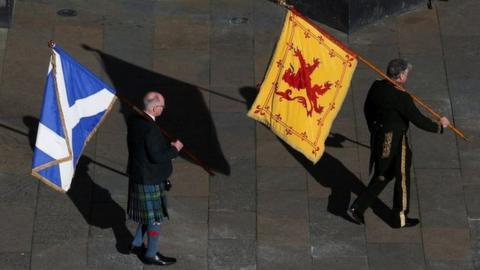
x: 51, y: 44
x: 284, y: 3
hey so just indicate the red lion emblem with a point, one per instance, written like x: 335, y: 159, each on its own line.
x: 301, y: 80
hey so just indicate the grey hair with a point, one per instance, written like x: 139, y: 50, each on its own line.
x: 148, y: 104
x: 397, y: 66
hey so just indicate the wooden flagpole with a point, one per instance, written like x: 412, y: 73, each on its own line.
x: 374, y: 68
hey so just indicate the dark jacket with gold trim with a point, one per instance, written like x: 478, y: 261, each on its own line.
x: 390, y: 109
x: 388, y: 112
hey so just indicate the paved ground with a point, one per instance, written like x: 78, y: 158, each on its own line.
x: 267, y: 208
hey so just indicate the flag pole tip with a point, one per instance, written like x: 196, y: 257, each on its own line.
x: 51, y: 44
x: 284, y: 4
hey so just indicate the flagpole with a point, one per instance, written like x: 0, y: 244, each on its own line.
x: 374, y: 68
x: 125, y: 100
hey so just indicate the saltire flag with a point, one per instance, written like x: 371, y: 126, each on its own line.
x: 74, y: 104
x: 305, y: 85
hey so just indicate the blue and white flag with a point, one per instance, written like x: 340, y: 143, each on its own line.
x: 74, y: 104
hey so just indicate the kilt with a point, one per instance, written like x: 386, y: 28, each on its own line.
x: 147, y: 204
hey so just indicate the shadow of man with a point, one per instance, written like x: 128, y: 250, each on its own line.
x: 94, y: 202
x: 102, y: 211
x: 330, y: 172
x: 186, y: 115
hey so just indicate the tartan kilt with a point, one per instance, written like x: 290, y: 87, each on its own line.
x: 147, y: 204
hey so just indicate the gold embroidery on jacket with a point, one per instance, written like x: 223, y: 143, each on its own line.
x: 404, y: 183
x: 387, y: 145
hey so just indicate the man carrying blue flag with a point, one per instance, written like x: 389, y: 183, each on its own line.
x: 75, y: 102
x: 150, y: 165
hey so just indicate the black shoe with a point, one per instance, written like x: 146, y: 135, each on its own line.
x: 157, y: 260
x: 166, y: 259
x: 358, y: 217
x: 409, y: 222
x: 137, y: 250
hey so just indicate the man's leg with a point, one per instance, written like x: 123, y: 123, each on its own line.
x: 151, y: 255
x: 153, y: 233
x: 139, y: 235
x: 381, y: 157
x: 137, y: 247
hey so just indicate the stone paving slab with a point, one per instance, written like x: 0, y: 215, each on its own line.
x: 191, y: 209
x: 17, y: 221
x: 450, y: 265
x: 396, y: 256
x: 419, y: 23
x: 15, y: 261
x: 332, y: 236
x: 192, y: 33
x: 446, y: 244
x: 184, y: 239
x: 228, y: 99
x: 179, y: 65
x: 273, y: 153
x: 71, y: 255
x: 341, y: 263
x: 22, y: 38
x: 380, y: 232
x: 472, y: 201
x: 271, y: 256
x: 441, y: 198
x: 102, y: 254
x: 281, y: 179
x: 234, y: 132
x: 236, y: 191
x: 475, y: 239
x: 190, y: 181
x: 16, y: 190
x: 232, y: 225
x: 231, y: 254
x: 185, y: 262
x: 453, y: 18
x: 222, y: 66
x: 464, y: 97
x: 284, y: 231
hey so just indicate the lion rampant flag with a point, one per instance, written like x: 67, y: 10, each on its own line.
x: 305, y: 85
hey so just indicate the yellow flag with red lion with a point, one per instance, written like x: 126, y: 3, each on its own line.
x: 305, y: 85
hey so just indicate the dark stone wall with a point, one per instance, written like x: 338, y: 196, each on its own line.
x: 349, y: 15
x: 6, y: 11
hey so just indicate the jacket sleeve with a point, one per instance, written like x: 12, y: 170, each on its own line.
x: 156, y: 147
x: 410, y: 111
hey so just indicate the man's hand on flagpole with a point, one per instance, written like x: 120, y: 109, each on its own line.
x: 444, y: 122
x: 177, y: 144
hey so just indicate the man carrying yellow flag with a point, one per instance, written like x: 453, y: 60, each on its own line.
x: 305, y: 86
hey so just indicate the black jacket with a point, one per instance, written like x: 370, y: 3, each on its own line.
x: 387, y: 108
x: 150, y: 154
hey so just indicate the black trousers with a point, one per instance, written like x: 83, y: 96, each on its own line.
x: 392, y: 160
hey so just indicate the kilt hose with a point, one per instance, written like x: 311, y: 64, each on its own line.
x: 147, y: 204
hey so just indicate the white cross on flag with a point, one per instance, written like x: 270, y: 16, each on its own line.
x: 74, y: 104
